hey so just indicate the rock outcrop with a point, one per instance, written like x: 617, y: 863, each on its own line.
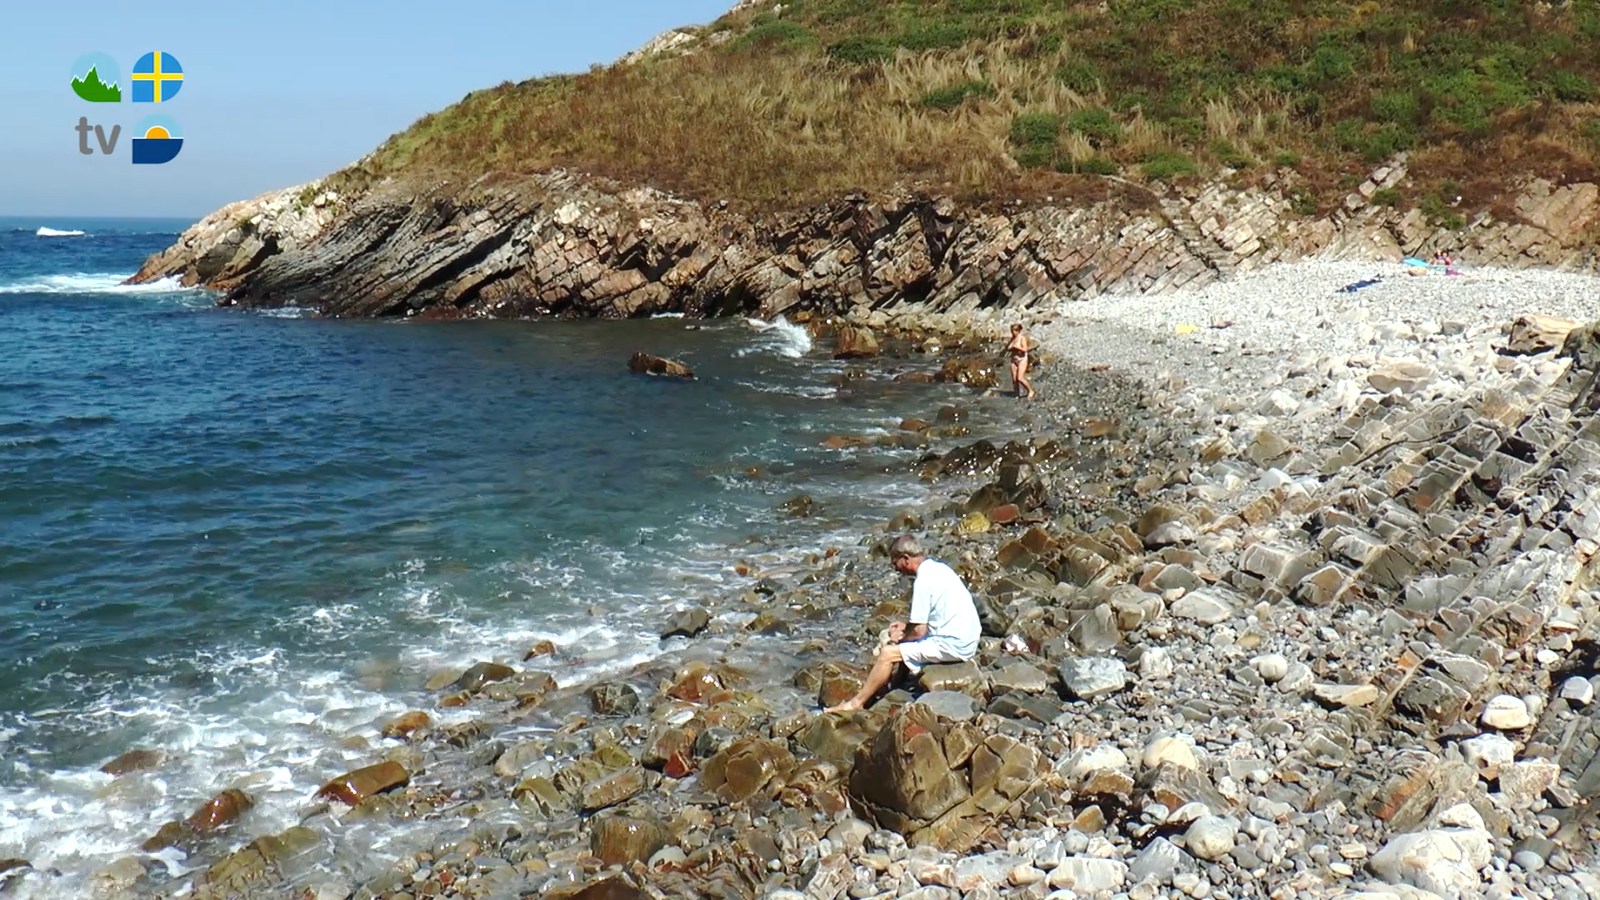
x: 559, y: 244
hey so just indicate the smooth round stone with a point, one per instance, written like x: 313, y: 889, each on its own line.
x: 1271, y: 667
x: 1578, y: 691
x: 1506, y: 713
x: 1169, y: 748
x: 1210, y: 837
x: 1528, y: 860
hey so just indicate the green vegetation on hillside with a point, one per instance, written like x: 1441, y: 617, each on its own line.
x: 993, y: 98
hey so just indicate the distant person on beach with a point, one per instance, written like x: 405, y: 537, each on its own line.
x: 943, y: 626
x: 1443, y: 258
x: 1018, y: 351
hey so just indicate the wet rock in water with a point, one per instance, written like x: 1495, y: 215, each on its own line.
x: 606, y: 889
x: 1087, y: 679
x: 696, y: 681
x: 482, y: 673
x: 407, y: 724
x: 540, y: 648
x: 623, y: 840
x: 223, y: 809
x: 687, y: 622
x: 974, y: 372
x: 614, y: 698
x: 169, y: 835
x: 799, y: 507
x: 356, y: 786
x: 855, y: 342
x: 615, y: 788
x: 134, y: 761
x: 743, y: 768
x: 646, y: 364
x: 255, y: 864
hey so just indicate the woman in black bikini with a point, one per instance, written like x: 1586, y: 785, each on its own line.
x: 1018, y: 350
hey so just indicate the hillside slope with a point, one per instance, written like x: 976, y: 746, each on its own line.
x: 776, y: 106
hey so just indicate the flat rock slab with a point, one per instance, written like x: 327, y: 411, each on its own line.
x: 1206, y: 606
x: 951, y: 704
x: 1098, y: 676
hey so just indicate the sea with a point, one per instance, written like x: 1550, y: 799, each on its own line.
x: 239, y: 537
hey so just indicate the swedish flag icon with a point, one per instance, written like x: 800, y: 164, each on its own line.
x: 157, y: 78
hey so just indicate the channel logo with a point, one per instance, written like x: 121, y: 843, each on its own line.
x: 157, y: 77
x: 156, y: 140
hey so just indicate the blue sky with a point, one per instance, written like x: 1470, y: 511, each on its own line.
x: 275, y: 93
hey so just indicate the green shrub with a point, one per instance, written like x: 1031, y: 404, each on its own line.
x: 1286, y: 158
x: 778, y: 32
x: 1094, y: 123
x: 1590, y: 129
x: 1571, y: 86
x: 860, y: 49
x: 1389, y: 197
x: 1190, y: 129
x: 1387, y: 140
x: 1079, y: 74
x: 1396, y: 106
x: 1331, y: 64
x: 1035, y: 128
x: 1168, y: 164
x: 1439, y: 213
x: 1035, y: 136
x: 957, y: 94
x: 936, y: 35
x: 1231, y: 156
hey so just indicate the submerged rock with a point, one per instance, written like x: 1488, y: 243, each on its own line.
x: 356, y: 786
x: 646, y: 364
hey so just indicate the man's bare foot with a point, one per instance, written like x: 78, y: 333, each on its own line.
x: 847, y: 706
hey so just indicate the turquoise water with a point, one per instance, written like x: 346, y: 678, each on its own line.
x: 236, y: 536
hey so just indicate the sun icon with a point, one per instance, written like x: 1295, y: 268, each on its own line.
x: 156, y: 132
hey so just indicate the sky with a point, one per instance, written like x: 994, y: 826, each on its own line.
x: 276, y: 93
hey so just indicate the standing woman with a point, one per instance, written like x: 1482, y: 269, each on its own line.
x: 1018, y: 349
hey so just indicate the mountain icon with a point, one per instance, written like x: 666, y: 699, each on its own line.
x: 95, y: 77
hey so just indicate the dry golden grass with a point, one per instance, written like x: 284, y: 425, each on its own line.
x: 983, y: 98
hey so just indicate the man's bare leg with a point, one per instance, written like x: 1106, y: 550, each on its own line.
x: 876, y: 679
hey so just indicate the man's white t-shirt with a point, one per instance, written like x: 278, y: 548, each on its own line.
x: 942, y: 602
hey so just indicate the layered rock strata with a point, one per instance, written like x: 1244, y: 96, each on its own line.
x: 565, y: 245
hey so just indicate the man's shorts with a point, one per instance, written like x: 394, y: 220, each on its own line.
x: 926, y: 652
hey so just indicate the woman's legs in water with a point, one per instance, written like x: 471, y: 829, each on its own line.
x: 1019, y: 375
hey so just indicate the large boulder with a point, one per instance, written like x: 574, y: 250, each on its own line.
x: 974, y: 372
x: 939, y: 782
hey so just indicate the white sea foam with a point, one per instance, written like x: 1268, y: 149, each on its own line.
x: 91, y: 283
x: 668, y: 315
x: 780, y: 336
x: 51, y: 232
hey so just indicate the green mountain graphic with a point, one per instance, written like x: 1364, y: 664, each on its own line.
x: 92, y: 89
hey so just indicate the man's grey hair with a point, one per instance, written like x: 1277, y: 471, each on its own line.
x: 906, y: 545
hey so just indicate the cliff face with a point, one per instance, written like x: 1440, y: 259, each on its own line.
x: 565, y: 245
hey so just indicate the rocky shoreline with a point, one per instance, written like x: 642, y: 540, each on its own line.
x: 1321, y: 626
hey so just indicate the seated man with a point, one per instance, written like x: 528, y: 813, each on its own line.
x: 943, y: 624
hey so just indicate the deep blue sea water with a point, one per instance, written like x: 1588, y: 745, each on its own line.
x: 237, y: 536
